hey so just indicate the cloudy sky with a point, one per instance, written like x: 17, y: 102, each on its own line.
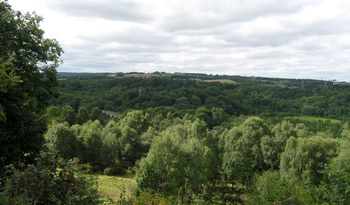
x: 270, y: 38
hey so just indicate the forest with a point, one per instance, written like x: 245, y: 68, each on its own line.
x: 203, y: 142
x: 173, y: 138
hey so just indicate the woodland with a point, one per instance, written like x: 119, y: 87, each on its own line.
x: 182, y: 138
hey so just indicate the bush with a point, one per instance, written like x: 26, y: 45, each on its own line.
x: 116, y: 169
x: 271, y: 189
x: 43, y: 183
x: 149, y: 198
x: 335, y: 190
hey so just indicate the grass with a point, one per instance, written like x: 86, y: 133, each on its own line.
x: 310, y: 118
x: 113, y: 188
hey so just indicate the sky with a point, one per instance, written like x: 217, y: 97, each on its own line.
x: 267, y: 38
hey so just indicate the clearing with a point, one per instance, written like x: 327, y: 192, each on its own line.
x: 114, y: 188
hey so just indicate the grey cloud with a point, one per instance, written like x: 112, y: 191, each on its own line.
x: 226, y: 12
x: 117, y: 10
x: 132, y: 36
x: 222, y: 37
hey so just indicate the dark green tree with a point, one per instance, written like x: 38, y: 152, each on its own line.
x: 62, y: 139
x: 68, y: 115
x: 28, y: 74
x: 54, y: 111
x: 219, y: 116
x: 206, y: 115
x: 83, y: 115
x: 95, y: 114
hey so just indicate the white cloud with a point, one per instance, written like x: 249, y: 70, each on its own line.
x: 297, y: 38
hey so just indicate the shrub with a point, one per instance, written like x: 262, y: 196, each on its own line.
x: 149, y: 198
x: 271, y: 189
x: 115, y: 169
x: 43, y: 183
x: 335, y: 190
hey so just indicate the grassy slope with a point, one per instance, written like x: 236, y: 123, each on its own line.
x: 115, y: 187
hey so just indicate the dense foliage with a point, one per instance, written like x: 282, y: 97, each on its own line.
x: 262, y: 98
x: 181, y: 158
x: 28, y: 63
x: 194, y: 138
x: 49, y: 181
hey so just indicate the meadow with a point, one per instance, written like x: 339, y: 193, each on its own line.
x: 112, y: 189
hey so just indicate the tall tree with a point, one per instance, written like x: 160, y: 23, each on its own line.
x: 28, y: 72
x: 83, y: 115
x: 95, y: 114
x: 302, y: 158
x: 242, y: 155
x: 68, y: 115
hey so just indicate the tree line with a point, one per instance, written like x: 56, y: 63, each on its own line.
x: 259, y: 98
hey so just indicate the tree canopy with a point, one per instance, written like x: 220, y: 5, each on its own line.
x: 28, y: 80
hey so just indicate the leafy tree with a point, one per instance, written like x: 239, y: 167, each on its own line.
x: 219, y: 116
x: 177, y: 160
x: 111, y: 150
x: 34, y: 57
x: 91, y: 149
x: 68, y: 115
x: 206, y: 115
x: 95, y: 114
x: 60, y: 138
x: 136, y: 120
x: 7, y: 79
x: 130, y: 145
x: 54, y: 111
x: 83, y: 115
x: 271, y: 189
x: 272, y: 146
x: 303, y: 157
x: 28, y: 63
x: 242, y: 155
x: 336, y: 189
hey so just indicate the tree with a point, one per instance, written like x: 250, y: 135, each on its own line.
x: 303, y: 157
x: 68, y: 115
x: 178, y: 160
x: 242, y: 155
x: 219, y: 116
x: 136, y: 120
x: 95, y: 114
x: 272, y: 146
x: 27, y: 79
x: 7, y: 79
x: 34, y: 57
x: 61, y: 139
x: 54, y: 111
x: 91, y: 150
x: 83, y: 115
x: 206, y: 115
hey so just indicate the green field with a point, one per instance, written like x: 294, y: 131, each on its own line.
x: 113, y: 188
x: 310, y: 118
